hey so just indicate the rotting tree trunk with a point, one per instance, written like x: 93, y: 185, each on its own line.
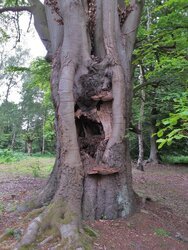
x: 91, y: 91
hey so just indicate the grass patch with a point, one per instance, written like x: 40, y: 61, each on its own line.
x: 161, y: 232
x: 175, y: 159
x: 46, y: 155
x: 30, y: 165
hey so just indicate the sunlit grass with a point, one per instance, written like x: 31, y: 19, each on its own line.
x: 30, y: 165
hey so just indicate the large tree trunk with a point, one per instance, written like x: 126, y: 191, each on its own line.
x: 91, y: 90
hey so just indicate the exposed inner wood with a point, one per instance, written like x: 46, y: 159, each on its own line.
x: 102, y: 170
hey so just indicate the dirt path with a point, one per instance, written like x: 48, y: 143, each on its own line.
x: 162, y: 222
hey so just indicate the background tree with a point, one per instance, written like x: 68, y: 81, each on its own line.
x: 10, y: 127
x: 31, y: 120
x: 12, y: 71
x: 162, y: 50
x: 37, y: 110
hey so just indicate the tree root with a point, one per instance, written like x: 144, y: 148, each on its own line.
x: 48, y: 239
x: 31, y: 233
x: 59, y: 223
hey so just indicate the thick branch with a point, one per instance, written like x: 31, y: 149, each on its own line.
x: 130, y: 26
x: 16, y: 9
x: 118, y: 87
x: 55, y: 29
x: 41, y: 26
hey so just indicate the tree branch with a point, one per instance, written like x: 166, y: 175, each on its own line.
x: 16, y: 9
x: 130, y: 26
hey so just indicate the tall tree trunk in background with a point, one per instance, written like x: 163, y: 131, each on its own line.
x: 92, y: 44
x: 140, y: 165
x: 29, y: 147
x: 13, y: 138
x: 43, y: 136
x: 153, y: 157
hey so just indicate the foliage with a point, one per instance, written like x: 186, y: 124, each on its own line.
x: 161, y: 49
x: 175, y: 127
x: 32, y: 119
x: 7, y: 155
x: 12, y: 71
x: 175, y: 159
x: 37, y: 108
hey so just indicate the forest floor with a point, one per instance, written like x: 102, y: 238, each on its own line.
x: 162, y: 222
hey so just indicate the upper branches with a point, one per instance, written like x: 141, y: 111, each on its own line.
x: 37, y: 9
x: 16, y: 9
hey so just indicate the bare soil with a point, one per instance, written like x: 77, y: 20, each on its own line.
x: 162, y: 222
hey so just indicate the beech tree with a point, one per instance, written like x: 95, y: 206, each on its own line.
x: 90, y: 45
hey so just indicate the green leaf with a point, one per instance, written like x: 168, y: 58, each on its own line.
x: 175, y: 131
x: 162, y: 143
x: 160, y: 133
x: 169, y: 142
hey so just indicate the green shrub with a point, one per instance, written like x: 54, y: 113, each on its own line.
x: 175, y: 159
x: 36, y: 169
x: 8, y: 155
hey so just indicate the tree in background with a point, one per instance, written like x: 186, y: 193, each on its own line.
x: 12, y: 71
x: 31, y: 119
x: 10, y: 126
x: 37, y: 108
x: 91, y: 44
x: 162, y: 50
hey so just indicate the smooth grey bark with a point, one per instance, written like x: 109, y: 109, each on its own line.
x: 55, y: 29
x: 41, y: 26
